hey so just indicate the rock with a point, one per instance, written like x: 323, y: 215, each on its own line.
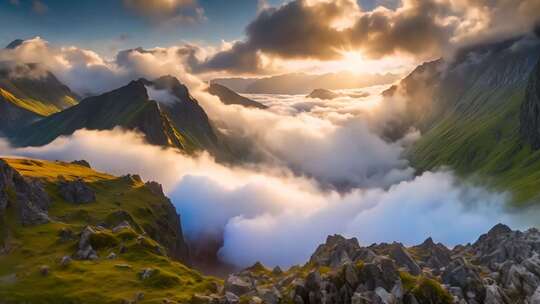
x: 82, y: 163
x: 65, y: 261
x: 76, y: 192
x: 269, y: 296
x: 277, y: 271
x: 535, y: 298
x: 231, y: 298
x: 122, y: 266
x: 204, y: 299
x: 351, y: 275
x: 28, y: 196
x: 336, y: 252
x: 434, y: 256
x: 66, y: 235
x: 85, y: 251
x: 237, y: 285
x: 495, y: 295
x: 402, y: 258
x: 313, y: 281
x: 384, y: 296
x: 121, y: 226
x: 155, y: 188
x: 462, y: 274
x: 44, y: 270
x: 382, y: 273
x: 146, y: 273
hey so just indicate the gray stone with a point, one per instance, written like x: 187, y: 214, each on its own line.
x: 76, y: 192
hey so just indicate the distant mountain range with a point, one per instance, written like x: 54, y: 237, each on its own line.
x: 180, y: 123
x: 478, y: 114
x: 301, y: 83
x: 229, y: 97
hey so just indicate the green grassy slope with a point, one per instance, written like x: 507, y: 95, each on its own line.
x: 478, y: 131
x: 102, y: 280
x: 127, y: 107
x: 487, y: 144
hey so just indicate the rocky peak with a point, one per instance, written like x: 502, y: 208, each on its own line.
x: 14, y: 44
x: 336, y: 251
x: 499, y: 229
x: 27, y: 196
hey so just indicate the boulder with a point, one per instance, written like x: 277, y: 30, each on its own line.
x: 85, y: 250
x: 82, y: 163
x: 76, y: 192
x: 238, y: 285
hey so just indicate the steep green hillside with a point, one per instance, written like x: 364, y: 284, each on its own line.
x: 473, y: 124
x: 128, y: 107
x: 27, y: 93
x: 136, y: 239
x: 37, y: 87
x: 179, y: 123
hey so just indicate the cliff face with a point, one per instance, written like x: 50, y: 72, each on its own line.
x: 530, y: 110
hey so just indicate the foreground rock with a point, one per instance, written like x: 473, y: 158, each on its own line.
x: 501, y: 267
x: 76, y: 192
x: 26, y: 195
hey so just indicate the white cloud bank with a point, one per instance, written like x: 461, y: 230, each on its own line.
x: 266, y: 213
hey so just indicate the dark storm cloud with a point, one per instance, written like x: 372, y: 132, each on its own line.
x: 303, y: 29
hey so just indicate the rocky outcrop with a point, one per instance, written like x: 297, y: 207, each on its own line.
x: 76, y: 191
x: 501, y: 267
x: 27, y: 196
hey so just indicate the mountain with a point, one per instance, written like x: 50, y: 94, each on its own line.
x: 69, y: 234
x: 179, y: 123
x: 302, y: 83
x: 502, y: 267
x: 228, y: 97
x: 29, y: 92
x: 477, y: 115
x: 323, y: 94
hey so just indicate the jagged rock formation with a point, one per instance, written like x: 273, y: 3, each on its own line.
x: 229, y: 97
x: 501, y: 267
x: 27, y: 196
x: 530, y: 110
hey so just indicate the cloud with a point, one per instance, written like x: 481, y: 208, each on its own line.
x: 163, y: 96
x: 287, y: 216
x: 87, y: 73
x: 324, y: 30
x: 167, y: 11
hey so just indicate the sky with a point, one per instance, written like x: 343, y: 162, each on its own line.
x: 108, y: 25
x: 261, y: 37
